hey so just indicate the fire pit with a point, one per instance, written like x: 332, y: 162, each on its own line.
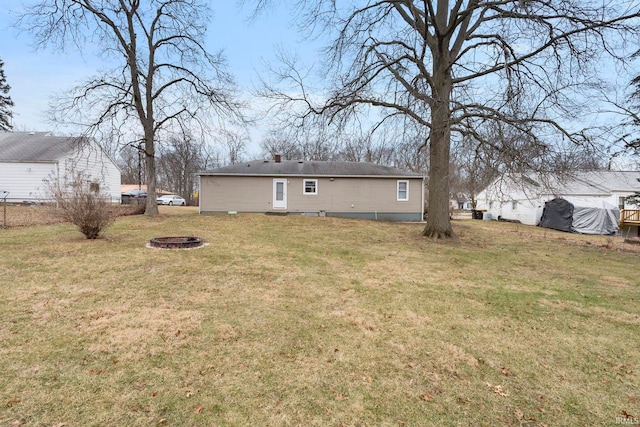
x: 178, y: 242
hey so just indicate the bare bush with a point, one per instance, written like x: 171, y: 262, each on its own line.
x: 80, y: 201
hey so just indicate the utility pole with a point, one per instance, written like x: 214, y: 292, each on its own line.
x: 139, y: 166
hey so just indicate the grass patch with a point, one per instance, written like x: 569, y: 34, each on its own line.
x: 316, y: 321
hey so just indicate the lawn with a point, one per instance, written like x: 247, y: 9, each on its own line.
x: 307, y: 321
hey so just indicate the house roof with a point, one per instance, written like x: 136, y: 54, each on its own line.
x: 598, y: 183
x: 34, y: 146
x: 578, y: 184
x: 612, y: 181
x: 311, y: 168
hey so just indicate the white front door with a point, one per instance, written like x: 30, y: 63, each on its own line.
x: 279, y: 194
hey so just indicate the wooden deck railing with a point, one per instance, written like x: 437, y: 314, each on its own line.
x: 630, y: 216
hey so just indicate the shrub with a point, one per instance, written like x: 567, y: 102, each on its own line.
x: 80, y: 201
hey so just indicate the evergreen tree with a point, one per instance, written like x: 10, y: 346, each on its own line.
x: 633, y: 199
x: 5, y: 101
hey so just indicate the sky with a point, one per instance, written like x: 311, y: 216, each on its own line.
x: 34, y: 76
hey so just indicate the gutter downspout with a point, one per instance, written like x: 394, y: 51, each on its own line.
x: 422, y: 209
x: 199, y: 194
x: 57, y: 178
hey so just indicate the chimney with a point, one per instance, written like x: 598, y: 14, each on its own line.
x: 278, y: 158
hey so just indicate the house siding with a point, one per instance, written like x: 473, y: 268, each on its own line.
x: 358, y: 197
x: 526, y: 211
x: 25, y: 181
x: 615, y: 199
x: 93, y: 161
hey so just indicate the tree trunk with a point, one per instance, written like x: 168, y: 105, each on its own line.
x: 150, y: 162
x: 438, y: 220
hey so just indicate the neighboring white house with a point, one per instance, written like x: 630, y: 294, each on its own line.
x: 324, y: 188
x: 27, y: 159
x: 522, y: 197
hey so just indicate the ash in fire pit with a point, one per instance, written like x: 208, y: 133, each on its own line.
x: 178, y: 242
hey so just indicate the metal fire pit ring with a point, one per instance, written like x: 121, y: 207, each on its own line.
x: 176, y: 242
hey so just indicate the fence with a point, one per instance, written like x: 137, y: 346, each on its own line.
x: 630, y: 216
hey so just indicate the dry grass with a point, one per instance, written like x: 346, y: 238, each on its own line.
x: 27, y: 216
x: 316, y: 321
x: 23, y: 216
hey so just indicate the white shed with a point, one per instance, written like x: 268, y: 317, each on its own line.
x: 27, y: 159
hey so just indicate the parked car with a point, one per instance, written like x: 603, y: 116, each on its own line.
x: 134, y: 197
x: 171, y: 200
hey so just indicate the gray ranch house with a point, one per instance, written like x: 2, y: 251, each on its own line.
x: 322, y: 188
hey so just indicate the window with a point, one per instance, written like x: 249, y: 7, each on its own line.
x: 514, y: 205
x: 310, y: 186
x: 403, y: 191
x: 95, y: 187
x: 279, y: 191
x: 621, y: 202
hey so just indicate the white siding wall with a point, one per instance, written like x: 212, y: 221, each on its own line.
x: 92, y: 160
x: 615, y: 198
x: 526, y: 211
x: 24, y: 181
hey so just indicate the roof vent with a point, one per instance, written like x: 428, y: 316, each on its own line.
x: 300, y: 161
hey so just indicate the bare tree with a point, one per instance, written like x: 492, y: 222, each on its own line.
x: 476, y: 164
x: 212, y: 157
x: 277, y: 143
x: 629, y: 109
x: 166, y: 79
x: 315, y: 141
x: 179, y: 164
x: 364, y: 148
x: 448, y: 64
x: 5, y: 101
x: 236, y: 145
x: 131, y: 164
x: 494, y: 148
